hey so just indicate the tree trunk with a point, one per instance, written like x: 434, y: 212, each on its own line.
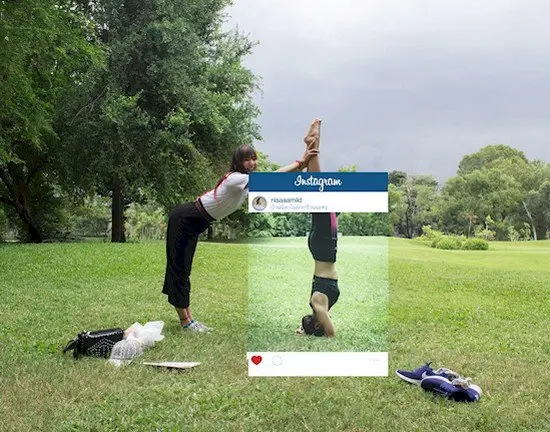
x: 210, y: 233
x: 24, y: 212
x: 20, y: 202
x: 117, y: 213
x: 530, y: 220
x: 408, y: 226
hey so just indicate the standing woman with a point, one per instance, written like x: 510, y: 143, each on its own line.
x: 188, y: 220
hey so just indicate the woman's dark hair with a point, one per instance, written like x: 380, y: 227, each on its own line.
x: 242, y: 153
x: 308, y: 324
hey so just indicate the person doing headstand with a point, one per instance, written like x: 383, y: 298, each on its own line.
x: 322, y: 243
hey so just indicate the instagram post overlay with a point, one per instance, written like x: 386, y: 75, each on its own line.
x: 318, y: 192
x: 308, y: 313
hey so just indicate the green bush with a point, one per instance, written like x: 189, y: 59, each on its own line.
x: 48, y: 207
x: 448, y: 242
x: 362, y: 224
x: 485, y: 233
x: 437, y: 239
x: 91, y: 217
x: 430, y: 236
x: 145, y: 222
x: 260, y: 225
x: 513, y: 235
x: 475, y: 244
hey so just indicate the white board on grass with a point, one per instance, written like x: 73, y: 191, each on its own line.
x: 173, y: 365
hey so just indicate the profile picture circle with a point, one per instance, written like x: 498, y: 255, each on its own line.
x: 259, y: 203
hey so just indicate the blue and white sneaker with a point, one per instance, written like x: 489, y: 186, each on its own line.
x: 446, y: 388
x: 417, y: 375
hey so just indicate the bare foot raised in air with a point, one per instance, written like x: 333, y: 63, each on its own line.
x: 312, y: 137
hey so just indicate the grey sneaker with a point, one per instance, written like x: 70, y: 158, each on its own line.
x: 196, y: 326
x: 201, y: 326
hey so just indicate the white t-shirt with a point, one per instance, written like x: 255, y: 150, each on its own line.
x: 230, y: 195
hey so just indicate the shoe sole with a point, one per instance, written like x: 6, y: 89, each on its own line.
x: 459, y: 396
x: 194, y: 329
x: 406, y: 378
x: 435, y: 387
x: 474, y: 387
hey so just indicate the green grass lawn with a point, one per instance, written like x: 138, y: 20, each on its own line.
x: 279, y: 286
x: 483, y: 313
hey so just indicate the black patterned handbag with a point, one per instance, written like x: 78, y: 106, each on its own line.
x: 95, y: 343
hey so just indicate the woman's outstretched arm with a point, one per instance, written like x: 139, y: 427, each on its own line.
x: 299, y: 165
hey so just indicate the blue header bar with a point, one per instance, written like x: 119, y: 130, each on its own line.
x: 318, y: 182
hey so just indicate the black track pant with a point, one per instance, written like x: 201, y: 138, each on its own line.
x: 184, y: 226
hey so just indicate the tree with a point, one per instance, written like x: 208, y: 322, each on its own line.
x: 397, y: 178
x: 264, y: 164
x: 490, y: 156
x: 168, y: 111
x: 4, y: 224
x: 350, y: 168
x: 413, y: 203
x: 396, y: 208
x: 532, y: 179
x: 291, y: 224
x: 538, y: 201
x: 527, y: 177
x: 364, y: 224
x: 471, y: 197
x: 44, y: 48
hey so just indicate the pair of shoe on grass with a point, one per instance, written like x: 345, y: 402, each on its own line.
x: 442, y: 381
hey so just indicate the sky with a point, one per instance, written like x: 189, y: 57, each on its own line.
x: 410, y: 85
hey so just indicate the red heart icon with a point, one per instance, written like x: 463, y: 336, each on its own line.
x: 256, y: 360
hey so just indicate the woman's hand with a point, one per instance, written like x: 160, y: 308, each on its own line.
x: 309, y: 154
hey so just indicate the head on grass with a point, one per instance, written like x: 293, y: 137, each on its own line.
x: 319, y: 322
x: 311, y: 326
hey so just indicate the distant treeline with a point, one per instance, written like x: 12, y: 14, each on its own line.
x: 497, y: 194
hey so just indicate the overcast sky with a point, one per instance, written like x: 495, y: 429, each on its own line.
x: 409, y: 85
